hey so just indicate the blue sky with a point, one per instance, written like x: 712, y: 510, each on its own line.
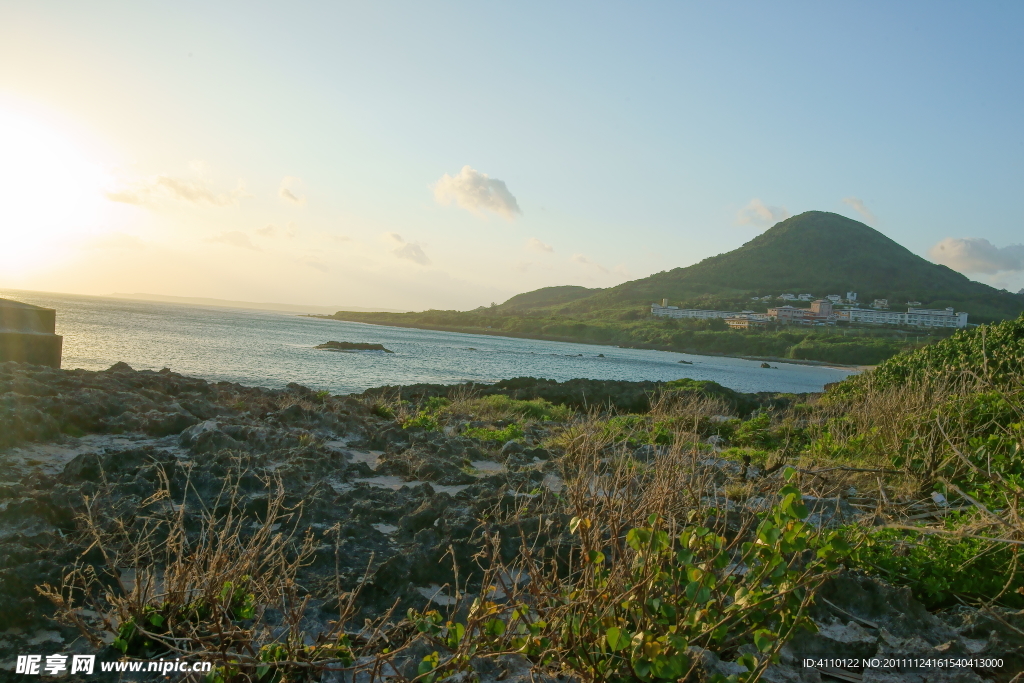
x: 317, y: 152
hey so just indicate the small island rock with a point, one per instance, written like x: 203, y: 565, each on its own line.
x: 352, y: 346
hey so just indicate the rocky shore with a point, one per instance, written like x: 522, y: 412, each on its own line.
x: 395, y: 509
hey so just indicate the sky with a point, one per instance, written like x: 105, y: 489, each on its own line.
x: 415, y: 155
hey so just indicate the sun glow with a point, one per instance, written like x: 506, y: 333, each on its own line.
x: 51, y: 195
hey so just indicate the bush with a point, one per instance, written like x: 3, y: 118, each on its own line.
x: 510, y: 433
x: 994, y: 352
x: 938, y: 569
x: 500, y: 406
x: 635, y: 614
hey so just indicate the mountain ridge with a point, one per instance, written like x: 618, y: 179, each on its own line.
x: 817, y: 252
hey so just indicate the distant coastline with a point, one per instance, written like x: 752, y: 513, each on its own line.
x: 248, y: 305
x: 571, y: 340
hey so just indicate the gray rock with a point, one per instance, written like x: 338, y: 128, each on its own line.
x: 511, y: 448
x: 207, y: 437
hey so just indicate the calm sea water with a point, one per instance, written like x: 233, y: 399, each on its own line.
x: 272, y: 349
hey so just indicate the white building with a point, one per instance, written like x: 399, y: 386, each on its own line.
x: 851, y: 297
x: 806, y: 297
x: 875, y: 316
x: 834, y: 298
x: 676, y: 312
x: 931, y: 317
x: 916, y: 317
x: 788, y: 297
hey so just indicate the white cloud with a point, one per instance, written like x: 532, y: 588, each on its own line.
x: 291, y: 230
x: 534, y: 244
x: 859, y: 207
x: 197, y: 192
x: 583, y: 260
x: 757, y: 214
x: 412, y: 252
x: 977, y: 255
x: 409, y: 251
x: 285, y: 191
x: 476, y: 191
x: 234, y: 238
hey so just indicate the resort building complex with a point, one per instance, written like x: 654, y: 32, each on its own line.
x: 822, y: 312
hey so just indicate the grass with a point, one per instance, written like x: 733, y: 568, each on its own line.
x: 634, y: 561
x: 503, y: 418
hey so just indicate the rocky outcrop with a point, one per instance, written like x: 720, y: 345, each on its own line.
x: 393, y: 507
x: 352, y: 346
x: 403, y: 502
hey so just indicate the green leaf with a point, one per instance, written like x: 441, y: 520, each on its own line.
x: 596, y: 557
x: 456, y: 632
x: 495, y: 627
x: 638, y: 538
x: 764, y: 639
x: 840, y: 545
x: 788, y: 473
x: 748, y: 660
x: 616, y: 639
x: 429, y: 663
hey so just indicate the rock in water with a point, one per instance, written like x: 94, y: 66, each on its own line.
x: 352, y: 346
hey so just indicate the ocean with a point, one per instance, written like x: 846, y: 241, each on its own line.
x: 269, y: 349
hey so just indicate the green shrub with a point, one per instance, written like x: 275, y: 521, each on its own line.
x: 636, y: 430
x: 509, y: 433
x: 424, y: 420
x: 995, y: 352
x: 428, y: 417
x: 501, y: 406
x: 939, y: 568
x: 636, y: 619
x: 382, y: 410
x: 634, y: 614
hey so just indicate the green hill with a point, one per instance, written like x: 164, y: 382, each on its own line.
x: 816, y: 252
x: 547, y: 296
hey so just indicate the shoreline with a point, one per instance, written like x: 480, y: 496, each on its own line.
x: 569, y: 340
